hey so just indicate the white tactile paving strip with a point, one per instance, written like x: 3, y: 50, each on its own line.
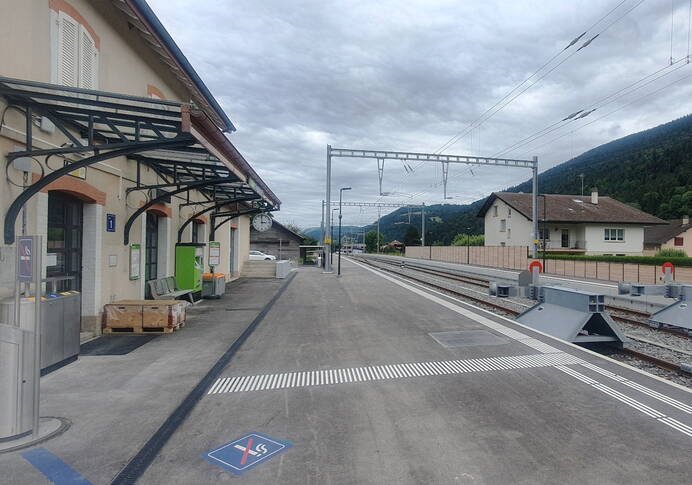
x: 641, y: 407
x: 327, y: 377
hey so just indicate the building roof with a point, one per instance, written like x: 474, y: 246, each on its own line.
x: 663, y: 234
x: 573, y: 208
x: 285, y: 229
x: 142, y: 17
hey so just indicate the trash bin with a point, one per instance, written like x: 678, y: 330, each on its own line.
x: 213, y: 285
x: 16, y: 382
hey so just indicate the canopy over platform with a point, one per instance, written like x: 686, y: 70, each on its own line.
x: 178, y: 141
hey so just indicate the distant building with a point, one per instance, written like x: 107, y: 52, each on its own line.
x: 567, y: 223
x: 677, y: 234
x: 393, y: 246
x: 278, y: 241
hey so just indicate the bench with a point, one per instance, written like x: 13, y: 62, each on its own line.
x: 165, y: 289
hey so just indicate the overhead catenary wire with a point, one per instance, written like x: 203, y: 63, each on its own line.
x: 629, y: 89
x: 504, y: 101
x: 482, y: 118
x: 487, y: 114
x: 652, y: 93
x: 618, y: 109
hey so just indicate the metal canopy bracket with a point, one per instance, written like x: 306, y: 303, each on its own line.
x: 165, y: 195
x: 216, y: 206
x: 100, y: 126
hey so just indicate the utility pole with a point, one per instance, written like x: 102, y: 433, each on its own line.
x: 341, y: 191
x: 378, y: 230
x: 581, y: 175
x: 422, y: 223
x: 328, y: 246
x: 322, y: 227
x: 534, y: 211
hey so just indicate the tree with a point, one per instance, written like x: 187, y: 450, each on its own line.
x: 309, y: 241
x: 371, y: 241
x: 412, y: 237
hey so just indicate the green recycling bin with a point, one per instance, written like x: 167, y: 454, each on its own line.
x: 189, y: 264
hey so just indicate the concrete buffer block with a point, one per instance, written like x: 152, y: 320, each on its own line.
x: 677, y: 314
x: 572, y: 315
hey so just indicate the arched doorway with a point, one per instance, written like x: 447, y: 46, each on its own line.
x: 64, y: 240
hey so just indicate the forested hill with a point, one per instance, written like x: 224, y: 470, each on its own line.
x: 651, y: 170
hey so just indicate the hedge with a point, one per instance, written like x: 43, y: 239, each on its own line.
x: 652, y: 260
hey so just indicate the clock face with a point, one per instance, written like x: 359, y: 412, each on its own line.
x: 262, y: 222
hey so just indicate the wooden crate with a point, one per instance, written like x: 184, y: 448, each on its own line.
x: 145, y: 314
x: 138, y: 330
x: 120, y: 315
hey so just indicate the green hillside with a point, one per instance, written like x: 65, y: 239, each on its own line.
x: 651, y: 170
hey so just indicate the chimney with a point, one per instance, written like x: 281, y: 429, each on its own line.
x: 594, y: 196
x: 685, y: 220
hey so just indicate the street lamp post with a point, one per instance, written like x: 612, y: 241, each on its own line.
x: 341, y: 191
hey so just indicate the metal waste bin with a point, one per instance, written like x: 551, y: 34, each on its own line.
x: 213, y: 285
x: 16, y: 382
x: 60, y: 325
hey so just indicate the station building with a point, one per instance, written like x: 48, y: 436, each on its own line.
x: 115, y: 151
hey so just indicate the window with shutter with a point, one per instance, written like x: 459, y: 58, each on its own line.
x: 88, y: 57
x: 77, y: 54
x: 68, y: 50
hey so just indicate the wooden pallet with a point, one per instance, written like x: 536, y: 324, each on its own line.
x: 139, y: 330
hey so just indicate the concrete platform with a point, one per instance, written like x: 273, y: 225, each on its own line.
x: 437, y: 414
x: 116, y: 402
x: 363, y: 377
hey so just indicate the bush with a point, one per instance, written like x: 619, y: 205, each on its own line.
x: 468, y: 240
x: 652, y: 260
x: 671, y: 253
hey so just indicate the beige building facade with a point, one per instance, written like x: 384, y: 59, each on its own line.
x: 114, y: 47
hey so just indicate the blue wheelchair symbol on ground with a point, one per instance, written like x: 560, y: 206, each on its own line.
x: 246, y: 452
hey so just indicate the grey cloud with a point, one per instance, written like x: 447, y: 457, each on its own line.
x: 297, y: 75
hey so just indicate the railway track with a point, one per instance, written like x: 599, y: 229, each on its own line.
x: 400, y: 268
x: 620, y: 314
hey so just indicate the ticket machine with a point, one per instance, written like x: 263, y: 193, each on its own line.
x: 189, y: 266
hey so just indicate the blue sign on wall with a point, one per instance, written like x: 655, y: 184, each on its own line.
x: 110, y: 222
x: 246, y: 452
x: 25, y: 259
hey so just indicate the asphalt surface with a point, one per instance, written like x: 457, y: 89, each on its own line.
x: 490, y: 425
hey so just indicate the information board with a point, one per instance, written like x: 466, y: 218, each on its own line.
x: 214, y: 253
x: 135, y: 258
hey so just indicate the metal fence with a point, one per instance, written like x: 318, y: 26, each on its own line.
x: 516, y: 257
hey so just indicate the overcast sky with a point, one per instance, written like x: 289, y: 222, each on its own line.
x: 407, y: 75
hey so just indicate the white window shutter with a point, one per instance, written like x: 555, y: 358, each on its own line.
x: 68, y: 51
x: 88, y: 60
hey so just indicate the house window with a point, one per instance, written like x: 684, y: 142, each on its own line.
x: 76, y: 53
x: 544, y: 233
x: 494, y: 211
x: 679, y: 241
x: 503, y: 225
x: 509, y: 233
x: 509, y: 212
x: 614, y: 234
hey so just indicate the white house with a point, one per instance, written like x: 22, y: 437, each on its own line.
x: 567, y: 223
x: 677, y: 234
